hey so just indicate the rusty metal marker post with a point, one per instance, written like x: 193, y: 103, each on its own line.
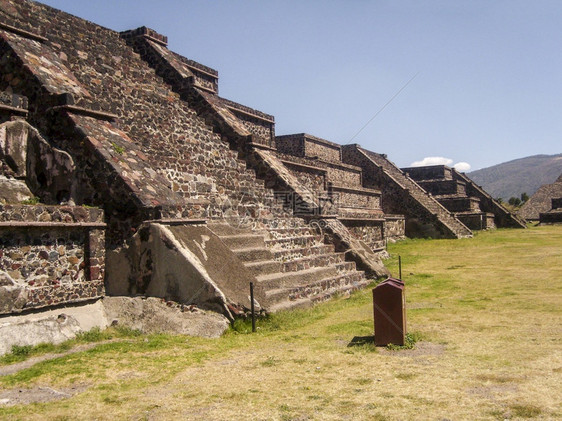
x: 253, y: 309
x: 389, y: 304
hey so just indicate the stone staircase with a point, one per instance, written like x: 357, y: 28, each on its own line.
x: 292, y: 266
x: 394, y: 176
x: 502, y: 216
x: 461, y: 196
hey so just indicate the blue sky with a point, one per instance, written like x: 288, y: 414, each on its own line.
x: 489, y: 73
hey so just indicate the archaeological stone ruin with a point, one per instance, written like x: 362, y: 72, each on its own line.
x: 123, y: 173
x: 461, y: 196
x: 544, y: 206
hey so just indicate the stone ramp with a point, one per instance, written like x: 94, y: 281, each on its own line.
x: 381, y: 171
x: 291, y: 265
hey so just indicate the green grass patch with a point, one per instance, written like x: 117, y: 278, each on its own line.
x: 487, y: 309
x: 22, y: 353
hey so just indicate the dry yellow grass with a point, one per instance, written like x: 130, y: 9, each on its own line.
x: 489, y: 311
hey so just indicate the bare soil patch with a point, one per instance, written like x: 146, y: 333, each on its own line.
x: 37, y: 394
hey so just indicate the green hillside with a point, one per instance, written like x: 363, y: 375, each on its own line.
x: 524, y: 175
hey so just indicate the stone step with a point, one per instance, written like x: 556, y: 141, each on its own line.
x: 308, y: 262
x: 265, y: 267
x: 287, y: 254
x: 333, y: 285
x: 284, y: 232
x: 287, y: 305
x: 239, y: 241
x: 293, y: 242
x: 293, y: 279
x: 346, y: 266
x: 224, y: 229
x: 337, y: 260
x: 306, y: 295
x: 252, y: 254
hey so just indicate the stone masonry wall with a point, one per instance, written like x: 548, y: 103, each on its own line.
x: 443, y: 187
x: 394, y: 227
x: 313, y: 177
x: 343, y: 175
x: 182, y: 147
x: 432, y: 172
x: 291, y: 144
x: 322, y: 150
x: 50, y: 255
x: 371, y: 233
x: 303, y: 144
x: 357, y: 199
x: 261, y: 125
x: 420, y: 222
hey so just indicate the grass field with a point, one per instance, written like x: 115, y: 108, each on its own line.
x: 486, y: 311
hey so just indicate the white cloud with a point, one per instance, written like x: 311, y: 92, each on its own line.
x: 432, y: 160
x: 462, y: 166
x: 441, y: 160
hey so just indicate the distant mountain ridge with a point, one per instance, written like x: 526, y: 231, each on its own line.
x: 523, y: 175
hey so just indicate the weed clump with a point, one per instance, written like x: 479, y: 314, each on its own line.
x: 409, y: 342
x: 31, y: 201
x: 526, y: 411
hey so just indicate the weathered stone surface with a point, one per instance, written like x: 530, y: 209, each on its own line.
x: 13, y: 191
x: 425, y: 216
x: 149, y: 315
x: 13, y: 296
x: 52, y: 329
x: 149, y: 139
x: 26, y: 155
x: 554, y: 215
x: 154, y: 315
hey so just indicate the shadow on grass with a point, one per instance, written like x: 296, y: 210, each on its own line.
x: 361, y: 341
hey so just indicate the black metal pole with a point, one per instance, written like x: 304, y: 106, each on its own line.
x: 400, y: 267
x: 252, y: 307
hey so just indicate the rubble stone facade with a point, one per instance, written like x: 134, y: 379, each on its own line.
x: 119, y: 122
x: 467, y: 201
x: 50, y: 255
x: 554, y: 215
x: 137, y: 161
x: 541, y: 201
